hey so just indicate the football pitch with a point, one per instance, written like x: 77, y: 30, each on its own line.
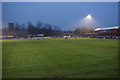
x: 58, y: 58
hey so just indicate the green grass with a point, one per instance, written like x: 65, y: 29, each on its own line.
x: 78, y: 58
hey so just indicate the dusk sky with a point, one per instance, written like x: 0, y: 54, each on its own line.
x: 66, y: 15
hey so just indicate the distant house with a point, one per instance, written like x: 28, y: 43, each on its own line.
x: 0, y: 31
x: 12, y: 31
x: 18, y: 33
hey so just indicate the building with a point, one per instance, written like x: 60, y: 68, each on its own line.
x: 11, y: 26
x: 109, y: 29
x: 18, y: 33
x: 14, y: 31
x: 0, y: 32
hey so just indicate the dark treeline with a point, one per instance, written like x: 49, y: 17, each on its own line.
x: 46, y: 29
x: 16, y: 29
x: 39, y: 28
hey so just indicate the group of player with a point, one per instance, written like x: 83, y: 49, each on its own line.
x: 68, y: 38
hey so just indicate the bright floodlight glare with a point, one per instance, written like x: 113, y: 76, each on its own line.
x: 89, y: 17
